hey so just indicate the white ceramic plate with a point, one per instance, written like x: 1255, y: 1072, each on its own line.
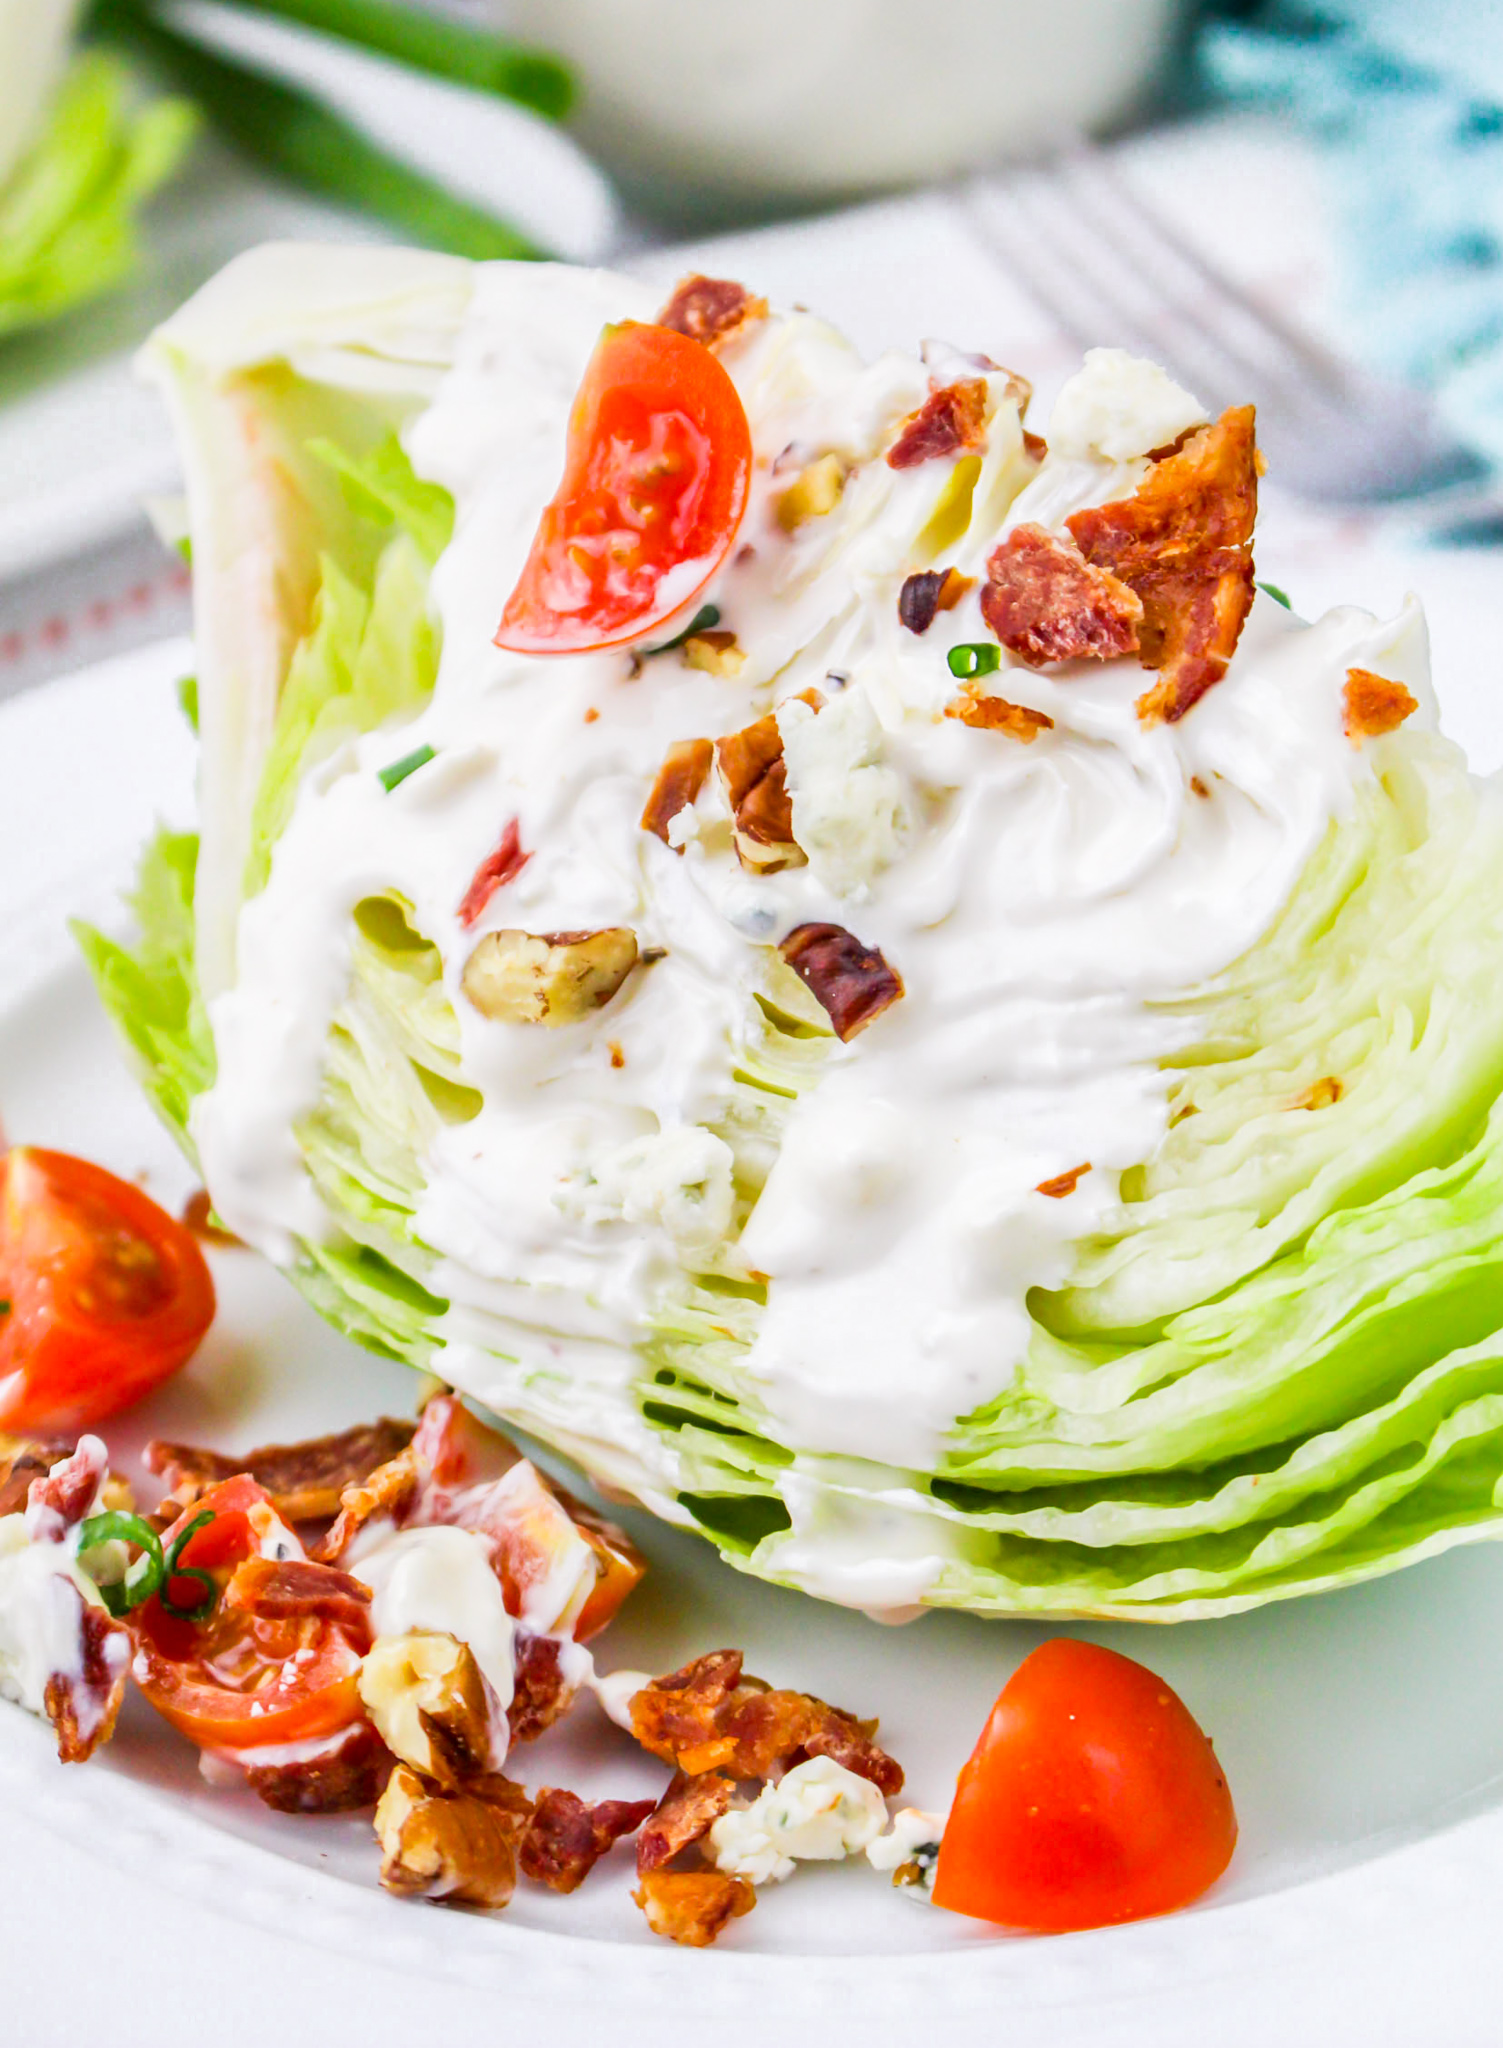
x: 1359, y: 1731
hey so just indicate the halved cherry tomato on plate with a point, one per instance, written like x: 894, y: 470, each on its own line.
x: 656, y: 474
x: 102, y: 1294
x: 236, y: 1680
x: 1092, y: 1797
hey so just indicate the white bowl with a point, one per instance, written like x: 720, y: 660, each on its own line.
x: 724, y: 106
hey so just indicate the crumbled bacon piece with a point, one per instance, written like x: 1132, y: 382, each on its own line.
x: 69, y: 1491
x: 542, y: 1693
x: 995, y: 714
x: 1063, y: 1183
x: 1321, y: 1094
x: 391, y: 1490
x: 1183, y: 543
x: 692, y: 1907
x: 852, y: 983
x: 284, y: 1589
x: 1374, y: 705
x: 1046, y: 602
x: 679, y: 781
x: 708, y: 1717
x: 756, y: 787
x: 951, y: 421
x: 23, y: 1461
x: 305, y: 1481
x: 82, y: 1704
x: 198, y: 1217
x: 929, y: 592
x: 710, y: 309
x: 683, y: 1816
x: 498, y: 868
x: 566, y: 1838
x: 343, y: 1780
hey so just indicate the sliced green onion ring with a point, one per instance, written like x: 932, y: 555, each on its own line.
x: 143, y: 1577
x: 398, y: 771
x: 171, y: 1570
x: 974, y: 658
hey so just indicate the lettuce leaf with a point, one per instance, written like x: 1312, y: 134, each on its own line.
x: 67, y: 213
x: 150, y: 992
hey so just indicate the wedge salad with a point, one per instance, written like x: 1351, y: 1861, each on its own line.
x: 827, y: 952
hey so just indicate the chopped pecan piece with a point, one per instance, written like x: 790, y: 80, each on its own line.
x: 995, y: 714
x: 429, y: 1703
x: 497, y: 869
x: 1063, y: 1183
x: 566, y: 1838
x: 852, y: 983
x: 342, y: 1781
x: 951, y: 421
x: 549, y: 978
x: 753, y: 775
x: 83, y: 1703
x: 1046, y: 602
x: 684, y: 1815
x: 679, y: 781
x: 813, y: 494
x: 284, y: 1589
x: 709, y: 309
x: 459, y: 1848
x: 678, y: 1712
x: 691, y: 1907
x: 927, y: 593
x: 1374, y: 705
x: 1183, y: 543
x: 715, y: 652
x: 305, y: 1481
x: 542, y: 1692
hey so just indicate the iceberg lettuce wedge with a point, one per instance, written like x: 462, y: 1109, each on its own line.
x: 1273, y: 1364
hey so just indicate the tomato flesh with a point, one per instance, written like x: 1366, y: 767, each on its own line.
x: 237, y: 1681
x: 108, y: 1295
x: 656, y: 474
x: 1093, y: 1797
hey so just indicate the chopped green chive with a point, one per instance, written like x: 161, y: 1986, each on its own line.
x: 974, y: 658
x: 172, y: 1570
x: 708, y: 615
x: 187, y: 700
x: 1278, y: 596
x: 143, y: 1577
x: 408, y: 765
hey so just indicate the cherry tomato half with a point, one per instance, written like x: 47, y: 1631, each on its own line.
x: 1092, y: 1797
x: 238, y: 1681
x: 655, y: 482
x: 107, y: 1295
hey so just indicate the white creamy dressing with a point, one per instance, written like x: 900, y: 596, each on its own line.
x: 441, y: 1580
x: 1037, y: 901
x: 41, y: 1594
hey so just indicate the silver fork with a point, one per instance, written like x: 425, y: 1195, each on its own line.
x: 1111, y: 271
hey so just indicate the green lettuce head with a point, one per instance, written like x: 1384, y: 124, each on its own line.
x: 1143, y: 1254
